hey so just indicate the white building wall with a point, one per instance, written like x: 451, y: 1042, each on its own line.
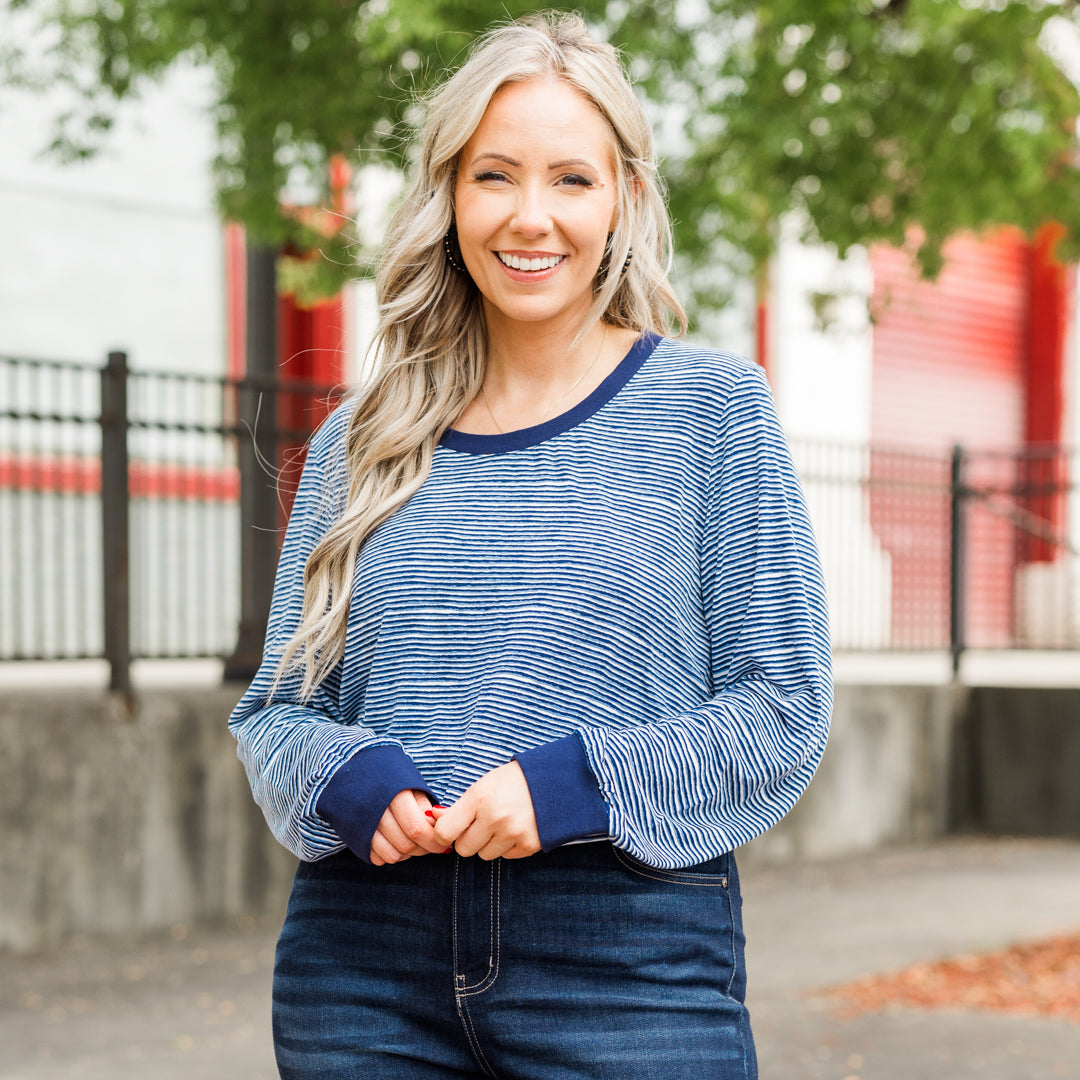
x: 820, y: 365
x: 375, y: 191
x: 122, y: 251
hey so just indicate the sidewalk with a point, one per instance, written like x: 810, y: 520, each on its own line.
x: 195, y: 1006
x: 818, y: 925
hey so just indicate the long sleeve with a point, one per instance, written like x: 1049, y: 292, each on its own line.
x: 690, y: 786
x: 292, y: 750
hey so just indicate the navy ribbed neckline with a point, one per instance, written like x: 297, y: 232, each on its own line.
x: 628, y: 366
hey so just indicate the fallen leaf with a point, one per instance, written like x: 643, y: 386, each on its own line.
x: 1039, y: 978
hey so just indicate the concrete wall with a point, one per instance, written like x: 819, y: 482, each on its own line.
x: 1017, y: 766
x: 111, y: 823
x: 884, y: 779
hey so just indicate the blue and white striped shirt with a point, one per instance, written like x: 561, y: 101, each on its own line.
x: 627, y: 598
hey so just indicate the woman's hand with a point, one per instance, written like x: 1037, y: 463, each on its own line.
x: 493, y: 818
x: 406, y: 828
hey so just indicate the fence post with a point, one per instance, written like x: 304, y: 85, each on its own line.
x: 957, y: 557
x: 114, y: 523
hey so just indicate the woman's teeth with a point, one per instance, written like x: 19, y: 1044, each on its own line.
x: 516, y: 263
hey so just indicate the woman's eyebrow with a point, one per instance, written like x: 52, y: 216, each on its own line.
x: 572, y: 161
x: 496, y: 157
x: 492, y: 156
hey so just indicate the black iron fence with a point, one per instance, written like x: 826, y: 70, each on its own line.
x: 955, y: 550
x: 51, y: 593
x: 121, y: 501
x: 140, y: 514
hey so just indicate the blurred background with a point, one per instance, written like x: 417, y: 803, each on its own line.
x: 879, y: 201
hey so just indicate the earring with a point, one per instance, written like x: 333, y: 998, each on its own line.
x: 605, y: 262
x: 448, y: 249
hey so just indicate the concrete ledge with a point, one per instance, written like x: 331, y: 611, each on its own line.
x: 118, y: 824
x: 115, y: 823
x: 884, y: 779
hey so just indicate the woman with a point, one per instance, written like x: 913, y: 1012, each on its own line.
x: 548, y: 635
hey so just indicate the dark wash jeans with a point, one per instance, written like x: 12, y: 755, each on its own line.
x: 581, y: 963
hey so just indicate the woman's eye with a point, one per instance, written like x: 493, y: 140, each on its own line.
x: 576, y: 181
x: 491, y: 174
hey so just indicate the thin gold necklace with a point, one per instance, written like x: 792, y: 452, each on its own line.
x: 562, y: 397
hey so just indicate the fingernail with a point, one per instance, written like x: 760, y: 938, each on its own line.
x: 448, y: 850
x: 438, y: 807
x: 430, y: 814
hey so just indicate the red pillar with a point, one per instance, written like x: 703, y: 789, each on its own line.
x: 311, y: 344
x: 1049, y: 285
x: 235, y: 300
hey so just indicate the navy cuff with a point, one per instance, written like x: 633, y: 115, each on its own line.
x: 565, y: 795
x: 360, y: 791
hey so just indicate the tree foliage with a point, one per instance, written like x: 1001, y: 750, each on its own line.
x: 901, y: 121
x: 297, y: 80
x: 891, y: 120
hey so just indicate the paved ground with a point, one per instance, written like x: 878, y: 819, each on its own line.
x: 818, y: 925
x: 195, y: 1005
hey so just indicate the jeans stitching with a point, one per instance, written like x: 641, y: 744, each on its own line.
x: 470, y: 1035
x: 461, y: 995
x: 749, y: 1054
x: 709, y: 881
x: 732, y: 950
x: 454, y: 917
x: 494, y: 933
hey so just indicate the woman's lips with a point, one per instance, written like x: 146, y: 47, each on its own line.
x: 547, y: 265
x: 526, y: 261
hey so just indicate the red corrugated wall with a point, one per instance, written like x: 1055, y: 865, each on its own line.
x: 949, y: 366
x: 949, y: 354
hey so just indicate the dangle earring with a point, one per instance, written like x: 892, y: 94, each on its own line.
x: 452, y: 257
x: 605, y: 263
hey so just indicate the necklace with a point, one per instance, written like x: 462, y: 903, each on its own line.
x: 562, y: 397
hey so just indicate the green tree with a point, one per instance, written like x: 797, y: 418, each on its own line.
x: 869, y: 118
x: 901, y: 121
x: 297, y: 80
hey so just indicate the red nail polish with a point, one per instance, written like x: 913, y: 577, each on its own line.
x: 430, y: 814
x: 448, y: 850
x: 438, y: 807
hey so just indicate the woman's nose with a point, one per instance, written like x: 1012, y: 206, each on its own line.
x: 531, y: 215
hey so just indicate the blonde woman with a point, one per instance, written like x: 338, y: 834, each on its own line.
x: 548, y: 636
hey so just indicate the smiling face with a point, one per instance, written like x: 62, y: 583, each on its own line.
x: 534, y: 201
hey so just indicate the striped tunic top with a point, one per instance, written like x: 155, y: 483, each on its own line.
x: 625, y: 598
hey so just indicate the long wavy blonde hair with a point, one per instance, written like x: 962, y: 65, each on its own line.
x: 430, y: 339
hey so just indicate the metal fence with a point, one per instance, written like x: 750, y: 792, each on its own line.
x: 51, y: 595
x: 955, y: 550
x: 122, y: 495
x: 120, y: 504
